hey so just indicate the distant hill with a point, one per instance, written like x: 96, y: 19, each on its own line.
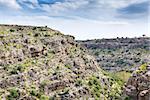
x: 39, y: 63
x: 119, y: 53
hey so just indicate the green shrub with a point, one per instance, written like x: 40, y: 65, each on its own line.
x: 12, y: 30
x: 29, y: 33
x: 42, y: 29
x: 34, y: 28
x: 79, y: 82
x: 44, y: 97
x: 142, y: 68
x: 96, y: 53
x: 16, y: 69
x: 33, y: 92
x: 68, y: 66
x: 14, y: 93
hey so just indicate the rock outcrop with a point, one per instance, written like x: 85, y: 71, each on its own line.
x: 41, y: 63
x: 138, y: 85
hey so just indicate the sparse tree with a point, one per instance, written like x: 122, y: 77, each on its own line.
x: 143, y: 35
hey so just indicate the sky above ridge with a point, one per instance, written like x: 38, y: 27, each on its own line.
x: 84, y: 19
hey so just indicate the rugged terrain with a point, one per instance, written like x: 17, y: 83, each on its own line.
x: 120, y: 54
x: 138, y: 85
x: 38, y: 63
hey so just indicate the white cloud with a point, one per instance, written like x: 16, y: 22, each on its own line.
x: 94, y: 9
x: 29, y: 3
x: 59, y: 7
x: 90, y: 9
x: 104, y: 24
x: 74, y: 4
x: 119, y: 3
x: 10, y: 4
x: 83, y: 29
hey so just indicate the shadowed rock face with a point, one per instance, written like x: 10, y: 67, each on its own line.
x: 138, y: 86
x: 41, y: 63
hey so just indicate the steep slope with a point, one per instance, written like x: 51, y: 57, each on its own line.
x: 120, y: 53
x: 138, y: 85
x: 41, y: 63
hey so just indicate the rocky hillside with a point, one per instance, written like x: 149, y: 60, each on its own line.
x: 138, y: 85
x: 120, y: 53
x: 38, y: 63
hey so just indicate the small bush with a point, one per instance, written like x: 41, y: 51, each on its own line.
x: 96, y: 53
x: 79, y: 83
x: 142, y: 68
x: 16, y: 69
x: 68, y: 66
x: 44, y: 97
x: 34, y: 28
x: 12, y: 30
x: 14, y: 93
x: 42, y: 29
x: 33, y: 92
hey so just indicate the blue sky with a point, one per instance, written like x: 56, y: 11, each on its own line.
x: 85, y: 19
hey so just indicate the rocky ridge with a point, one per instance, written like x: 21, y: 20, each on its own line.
x: 39, y: 63
x: 119, y: 54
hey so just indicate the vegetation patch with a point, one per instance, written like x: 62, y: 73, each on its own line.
x: 13, y: 94
x: 95, y: 86
x: 142, y: 68
x: 12, y: 30
x: 122, y: 75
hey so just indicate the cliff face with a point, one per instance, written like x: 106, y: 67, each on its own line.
x: 120, y: 53
x: 41, y: 63
x: 138, y: 85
